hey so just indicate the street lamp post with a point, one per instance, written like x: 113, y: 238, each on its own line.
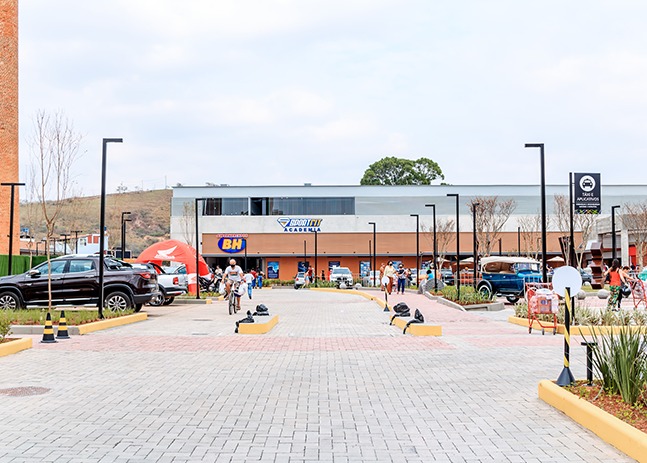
x: 571, y: 248
x: 433, y: 206
x: 373, y: 269
x: 519, y: 241
x: 305, y: 257
x: 475, y: 244
x: 102, y: 220
x: 315, y: 275
x: 458, y: 248
x: 613, y: 232
x: 197, y: 250
x: 124, y: 219
x: 65, y: 235
x: 417, y: 216
x: 544, y: 272
x: 13, y: 186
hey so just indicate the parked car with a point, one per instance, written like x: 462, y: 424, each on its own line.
x: 300, y: 280
x: 341, y: 275
x: 447, y: 276
x: 587, y: 277
x: 170, y: 285
x: 507, y: 276
x: 75, y: 281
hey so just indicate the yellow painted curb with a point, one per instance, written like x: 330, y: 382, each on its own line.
x: 616, y: 432
x: 578, y: 330
x: 15, y: 346
x: 418, y: 329
x: 258, y: 328
x: 368, y: 296
x: 112, y: 322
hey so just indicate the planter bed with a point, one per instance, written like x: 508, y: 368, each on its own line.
x: 609, y: 428
x: 14, y: 345
x: 577, y: 330
x: 83, y: 328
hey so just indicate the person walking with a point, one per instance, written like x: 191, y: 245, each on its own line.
x: 309, y: 275
x: 259, y: 279
x: 389, y: 272
x: 402, y: 279
x: 626, y: 283
x: 615, y: 278
x: 249, y: 279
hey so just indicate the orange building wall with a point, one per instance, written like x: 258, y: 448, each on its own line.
x: 8, y: 120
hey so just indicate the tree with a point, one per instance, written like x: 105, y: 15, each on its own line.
x: 188, y: 222
x: 54, y: 149
x: 582, y: 223
x: 396, y: 171
x: 445, y: 231
x: 634, y: 220
x: 491, y: 216
x: 530, y: 235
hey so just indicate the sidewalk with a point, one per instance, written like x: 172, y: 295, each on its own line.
x: 333, y: 382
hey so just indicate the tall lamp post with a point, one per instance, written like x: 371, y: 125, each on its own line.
x: 544, y: 272
x: 519, y: 241
x: 613, y: 232
x: 476, y: 243
x: 197, y: 250
x: 13, y: 186
x: 571, y: 248
x: 315, y: 275
x: 373, y: 269
x: 305, y: 257
x: 124, y: 219
x: 102, y: 220
x: 457, y: 278
x: 417, y: 216
x: 433, y: 206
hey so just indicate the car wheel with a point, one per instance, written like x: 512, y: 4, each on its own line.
x: 485, y: 288
x: 117, y: 302
x: 9, y: 301
x: 168, y: 301
x: 512, y: 299
x: 157, y: 300
x: 138, y: 307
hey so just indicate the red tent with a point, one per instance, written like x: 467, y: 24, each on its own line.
x: 175, y: 251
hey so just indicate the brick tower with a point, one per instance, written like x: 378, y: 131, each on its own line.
x: 8, y: 120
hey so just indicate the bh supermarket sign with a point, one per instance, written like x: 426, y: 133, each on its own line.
x: 299, y: 225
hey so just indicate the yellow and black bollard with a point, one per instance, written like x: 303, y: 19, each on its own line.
x: 62, y: 327
x: 48, y: 330
x: 566, y: 377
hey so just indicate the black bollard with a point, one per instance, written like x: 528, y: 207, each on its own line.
x: 566, y: 377
x: 589, y: 361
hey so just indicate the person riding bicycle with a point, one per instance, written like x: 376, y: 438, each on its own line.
x: 232, y: 274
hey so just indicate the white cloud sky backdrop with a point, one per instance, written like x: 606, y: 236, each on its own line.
x: 292, y: 91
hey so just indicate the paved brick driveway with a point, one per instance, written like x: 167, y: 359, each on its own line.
x: 332, y: 382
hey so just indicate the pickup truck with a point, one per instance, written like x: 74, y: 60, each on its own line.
x: 170, y: 285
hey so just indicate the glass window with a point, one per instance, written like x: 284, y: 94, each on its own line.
x: 57, y: 267
x: 77, y: 266
x: 226, y: 206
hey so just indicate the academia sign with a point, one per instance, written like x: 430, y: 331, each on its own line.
x: 587, y: 194
x: 299, y: 225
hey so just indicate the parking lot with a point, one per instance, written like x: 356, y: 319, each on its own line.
x: 332, y: 382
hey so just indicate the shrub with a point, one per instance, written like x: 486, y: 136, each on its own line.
x: 5, y: 327
x: 621, y: 361
x: 468, y: 295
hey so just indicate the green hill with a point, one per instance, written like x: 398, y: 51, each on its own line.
x: 150, y: 215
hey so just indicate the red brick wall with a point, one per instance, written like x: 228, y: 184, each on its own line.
x: 8, y: 119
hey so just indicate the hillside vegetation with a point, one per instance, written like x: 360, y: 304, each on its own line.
x: 150, y: 215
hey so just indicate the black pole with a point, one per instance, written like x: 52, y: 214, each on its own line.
x: 475, y: 244
x: 417, y: 216
x: 64, y: 235
x: 544, y: 272
x: 458, y: 247
x: 197, y: 250
x: 123, y: 233
x: 374, y: 269
x: 566, y: 377
x: 519, y: 241
x: 13, y: 186
x: 245, y: 240
x: 571, y: 249
x: 76, y: 240
x: 102, y: 220
x: 315, y: 275
x: 613, y: 232
x: 500, y: 252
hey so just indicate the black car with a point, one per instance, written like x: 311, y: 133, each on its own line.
x: 447, y: 276
x: 75, y: 281
x: 586, y: 277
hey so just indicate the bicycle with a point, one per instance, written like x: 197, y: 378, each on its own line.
x: 233, y: 306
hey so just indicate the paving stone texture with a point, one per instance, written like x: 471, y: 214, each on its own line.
x: 333, y: 382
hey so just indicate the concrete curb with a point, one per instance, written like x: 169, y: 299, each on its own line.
x: 616, y: 432
x: 578, y: 330
x: 112, y: 322
x: 14, y: 346
x: 38, y: 329
x: 418, y: 329
x: 258, y: 328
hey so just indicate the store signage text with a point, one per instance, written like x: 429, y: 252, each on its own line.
x: 232, y: 245
x: 299, y: 225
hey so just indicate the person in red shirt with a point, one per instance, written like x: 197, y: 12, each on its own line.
x: 309, y: 274
x: 616, y: 278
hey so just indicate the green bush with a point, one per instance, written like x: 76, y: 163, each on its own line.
x: 620, y: 359
x: 5, y: 326
x: 468, y: 295
x: 72, y: 317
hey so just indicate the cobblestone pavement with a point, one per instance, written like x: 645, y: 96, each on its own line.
x: 333, y: 382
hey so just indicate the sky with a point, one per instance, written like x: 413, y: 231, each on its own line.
x: 267, y: 92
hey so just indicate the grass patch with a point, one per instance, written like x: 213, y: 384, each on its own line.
x: 72, y: 317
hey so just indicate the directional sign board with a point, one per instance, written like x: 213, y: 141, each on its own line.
x: 587, y: 194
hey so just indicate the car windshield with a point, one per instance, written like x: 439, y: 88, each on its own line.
x: 527, y: 267
x: 340, y: 270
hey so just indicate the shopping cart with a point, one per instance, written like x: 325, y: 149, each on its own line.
x: 638, y: 292
x: 541, y: 301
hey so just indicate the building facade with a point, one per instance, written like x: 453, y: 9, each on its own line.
x: 280, y: 228
x: 9, y: 121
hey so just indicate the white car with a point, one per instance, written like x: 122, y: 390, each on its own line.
x: 342, y: 275
x: 299, y: 280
